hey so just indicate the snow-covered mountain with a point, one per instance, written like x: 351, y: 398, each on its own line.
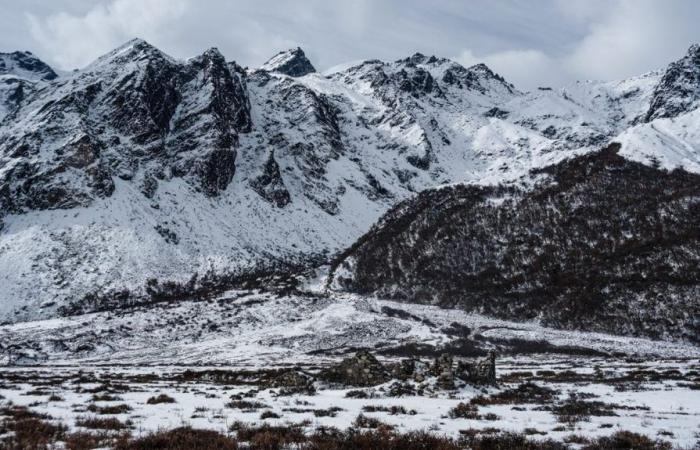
x: 19, y: 73
x: 141, y: 173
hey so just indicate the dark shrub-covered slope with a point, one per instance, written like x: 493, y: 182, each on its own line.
x: 602, y: 243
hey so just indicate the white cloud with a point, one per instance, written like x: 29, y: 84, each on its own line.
x: 530, y: 43
x: 623, y: 38
x: 75, y: 40
x: 634, y: 36
x: 526, y: 69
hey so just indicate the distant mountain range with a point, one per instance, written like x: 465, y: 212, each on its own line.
x: 141, y: 176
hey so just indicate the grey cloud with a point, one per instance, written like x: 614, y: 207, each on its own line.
x: 529, y: 42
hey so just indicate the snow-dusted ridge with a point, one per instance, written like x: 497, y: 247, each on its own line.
x: 260, y: 330
x: 141, y: 166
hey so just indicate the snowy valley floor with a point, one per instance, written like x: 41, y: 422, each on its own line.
x: 207, y: 358
x: 576, y: 399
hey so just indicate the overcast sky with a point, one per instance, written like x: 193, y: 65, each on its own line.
x: 530, y: 42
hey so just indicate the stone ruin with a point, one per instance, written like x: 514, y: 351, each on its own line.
x: 363, y: 370
x: 293, y: 382
x: 480, y: 371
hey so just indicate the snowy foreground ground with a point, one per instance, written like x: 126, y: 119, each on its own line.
x: 76, y: 368
x: 654, y: 400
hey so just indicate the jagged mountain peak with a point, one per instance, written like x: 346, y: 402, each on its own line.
x: 210, y: 56
x: 292, y: 62
x: 136, y: 45
x: 416, y: 58
x: 424, y: 74
x: 213, y: 52
x: 482, y: 68
x: 133, y: 50
x: 486, y: 72
x: 678, y: 90
x: 425, y: 60
x: 24, y: 64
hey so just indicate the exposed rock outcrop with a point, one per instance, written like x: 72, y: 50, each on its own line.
x: 679, y: 88
x: 291, y: 62
x: 270, y: 185
x: 25, y: 65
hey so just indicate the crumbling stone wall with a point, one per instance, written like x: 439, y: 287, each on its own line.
x: 364, y: 369
x: 361, y: 370
x: 481, y: 371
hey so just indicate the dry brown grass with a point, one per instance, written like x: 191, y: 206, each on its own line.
x: 373, y: 423
x: 83, y: 440
x: 106, y: 398
x: 464, y: 411
x: 246, y: 405
x: 162, y: 398
x: 102, y: 423
x: 626, y: 440
x: 185, y: 438
x: 391, y: 410
x: 111, y: 409
x: 524, y: 393
x: 26, y: 429
x: 575, y: 409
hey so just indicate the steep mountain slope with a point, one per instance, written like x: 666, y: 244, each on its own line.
x: 25, y: 65
x: 599, y: 243
x: 19, y: 73
x: 141, y: 174
x: 678, y: 90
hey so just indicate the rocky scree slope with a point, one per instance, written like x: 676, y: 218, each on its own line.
x: 141, y: 176
x: 600, y: 243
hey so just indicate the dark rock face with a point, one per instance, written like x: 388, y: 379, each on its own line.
x: 313, y: 140
x: 133, y: 113
x: 20, y: 63
x: 417, y: 79
x: 213, y: 110
x: 497, y: 113
x: 420, y: 81
x: 679, y: 88
x: 602, y: 244
x: 292, y: 62
x: 269, y: 184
